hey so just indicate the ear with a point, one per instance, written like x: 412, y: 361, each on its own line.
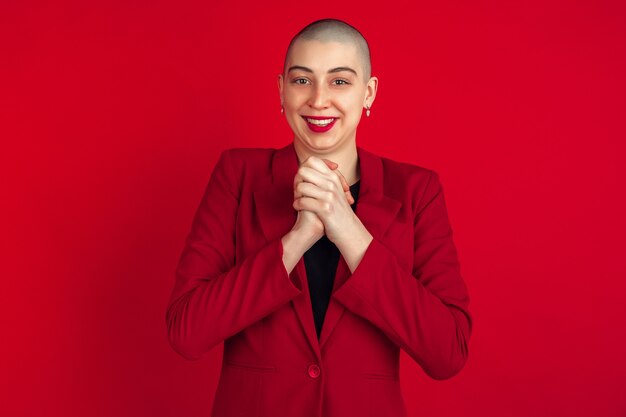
x: 370, y: 91
x: 280, y: 88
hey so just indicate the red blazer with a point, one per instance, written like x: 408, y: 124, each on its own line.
x: 231, y: 285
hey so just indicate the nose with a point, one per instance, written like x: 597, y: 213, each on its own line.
x: 319, y: 97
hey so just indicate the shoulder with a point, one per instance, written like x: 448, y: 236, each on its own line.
x: 238, y: 157
x: 235, y: 166
x: 406, y: 181
x: 406, y: 169
x: 238, y: 153
x: 410, y: 174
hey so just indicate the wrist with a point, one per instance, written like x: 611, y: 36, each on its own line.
x: 297, y: 242
x: 356, y: 240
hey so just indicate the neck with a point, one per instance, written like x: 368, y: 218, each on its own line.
x: 347, y: 158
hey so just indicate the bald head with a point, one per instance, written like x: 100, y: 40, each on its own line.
x: 334, y: 30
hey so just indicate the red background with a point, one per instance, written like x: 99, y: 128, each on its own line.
x: 113, y: 115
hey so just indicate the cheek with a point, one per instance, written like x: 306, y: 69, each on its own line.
x: 352, y: 110
x: 350, y: 104
x: 294, y: 97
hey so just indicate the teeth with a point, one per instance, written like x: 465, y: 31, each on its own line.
x: 323, y: 122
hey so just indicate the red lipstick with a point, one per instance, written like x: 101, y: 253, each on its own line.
x: 320, y: 128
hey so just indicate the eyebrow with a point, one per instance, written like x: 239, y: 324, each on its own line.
x: 330, y: 71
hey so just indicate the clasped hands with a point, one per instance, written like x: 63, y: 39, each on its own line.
x: 322, y: 198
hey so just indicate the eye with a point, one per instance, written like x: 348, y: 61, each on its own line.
x: 340, y: 82
x: 300, y: 81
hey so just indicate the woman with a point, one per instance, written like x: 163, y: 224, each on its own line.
x: 317, y: 262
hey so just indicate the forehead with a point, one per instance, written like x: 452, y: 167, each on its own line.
x: 321, y: 55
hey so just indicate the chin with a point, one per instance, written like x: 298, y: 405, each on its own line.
x: 322, y: 143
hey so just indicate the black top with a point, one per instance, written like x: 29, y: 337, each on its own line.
x: 321, y: 262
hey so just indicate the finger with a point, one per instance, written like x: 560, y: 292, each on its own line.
x: 312, y: 175
x: 300, y: 176
x: 306, y: 189
x: 330, y: 164
x: 306, y: 203
x: 349, y: 197
x: 311, y: 190
x: 324, y: 165
x: 333, y: 166
x: 346, y: 187
x: 316, y: 163
x: 306, y: 173
x: 344, y: 183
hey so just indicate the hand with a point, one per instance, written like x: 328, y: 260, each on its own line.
x: 344, y: 183
x: 321, y: 189
x: 307, y: 221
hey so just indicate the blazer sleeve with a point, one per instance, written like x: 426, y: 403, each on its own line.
x: 423, y: 311
x: 213, y: 297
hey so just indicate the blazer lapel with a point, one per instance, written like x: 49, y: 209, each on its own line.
x: 376, y: 211
x: 277, y: 216
x: 274, y: 206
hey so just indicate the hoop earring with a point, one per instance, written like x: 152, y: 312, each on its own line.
x: 282, y: 110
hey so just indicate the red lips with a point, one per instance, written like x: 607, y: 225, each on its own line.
x: 317, y: 128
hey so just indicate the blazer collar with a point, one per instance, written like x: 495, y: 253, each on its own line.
x: 277, y: 216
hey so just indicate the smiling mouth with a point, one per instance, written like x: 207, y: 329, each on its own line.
x: 321, y: 122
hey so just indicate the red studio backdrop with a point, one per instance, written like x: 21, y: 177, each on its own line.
x: 113, y: 115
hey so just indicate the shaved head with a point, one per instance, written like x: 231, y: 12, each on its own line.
x: 334, y: 30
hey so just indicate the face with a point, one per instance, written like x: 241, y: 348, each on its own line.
x: 323, y: 93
